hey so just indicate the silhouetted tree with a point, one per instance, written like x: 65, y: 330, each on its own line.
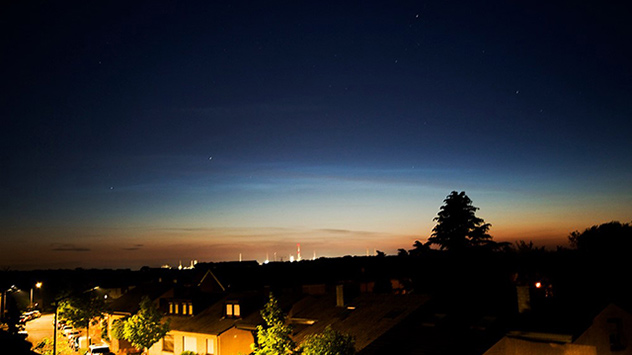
x: 523, y: 247
x: 457, y: 225
x: 612, y: 237
x: 12, y: 312
x: 402, y: 252
x: 419, y: 248
x: 380, y: 254
x: 14, y: 344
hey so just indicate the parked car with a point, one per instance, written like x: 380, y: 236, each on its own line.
x: 79, y: 342
x: 98, y: 349
x: 72, y: 335
x: 31, y: 315
x: 66, y: 329
x: 60, y: 324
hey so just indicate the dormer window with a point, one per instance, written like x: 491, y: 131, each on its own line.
x: 233, y: 310
x: 183, y: 308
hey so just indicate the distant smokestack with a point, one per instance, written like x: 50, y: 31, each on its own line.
x: 298, y: 251
x: 239, y: 257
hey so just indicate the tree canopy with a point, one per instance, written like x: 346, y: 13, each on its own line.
x: 83, y: 309
x: 274, y: 338
x: 457, y: 226
x: 145, y: 328
x: 611, y: 238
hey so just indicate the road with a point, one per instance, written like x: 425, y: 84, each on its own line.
x: 40, y: 328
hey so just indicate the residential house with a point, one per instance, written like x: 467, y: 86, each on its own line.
x: 610, y: 332
x: 225, y: 328
x: 128, y: 304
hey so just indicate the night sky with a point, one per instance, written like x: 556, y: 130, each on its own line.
x: 147, y: 132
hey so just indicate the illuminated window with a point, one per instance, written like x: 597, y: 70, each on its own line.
x: 189, y: 344
x: 233, y: 310
x: 176, y: 310
x: 170, y: 307
x: 210, y: 346
x: 191, y: 308
x: 184, y: 309
x: 167, y: 343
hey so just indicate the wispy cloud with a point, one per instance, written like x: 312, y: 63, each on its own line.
x: 134, y: 247
x: 67, y: 247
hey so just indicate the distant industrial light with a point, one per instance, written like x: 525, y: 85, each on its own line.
x: 538, y: 284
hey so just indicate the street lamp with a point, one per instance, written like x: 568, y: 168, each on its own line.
x: 3, y: 305
x: 37, y: 285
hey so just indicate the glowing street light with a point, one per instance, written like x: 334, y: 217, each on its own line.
x: 37, y: 285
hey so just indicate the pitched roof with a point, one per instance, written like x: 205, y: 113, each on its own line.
x: 509, y: 345
x: 366, y: 318
x: 129, y: 302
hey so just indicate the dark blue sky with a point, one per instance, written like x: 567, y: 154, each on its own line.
x: 176, y: 130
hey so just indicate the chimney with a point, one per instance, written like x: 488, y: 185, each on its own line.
x: 340, y: 296
x: 523, y: 294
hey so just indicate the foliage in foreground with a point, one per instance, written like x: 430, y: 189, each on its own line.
x: 329, y: 342
x: 274, y: 338
x: 45, y: 347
